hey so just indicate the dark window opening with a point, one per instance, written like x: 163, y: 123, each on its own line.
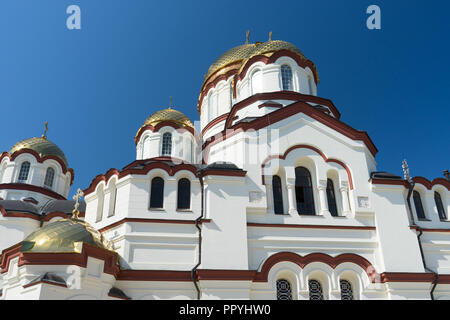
x: 157, y: 193
x: 304, y: 191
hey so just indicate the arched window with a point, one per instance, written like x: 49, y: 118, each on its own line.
x: 167, y: 144
x: 112, y: 199
x: 256, y: 81
x: 284, y: 291
x: 286, y: 77
x: 184, y: 194
x: 210, y: 107
x: 157, y: 193
x: 24, y: 170
x: 346, y: 290
x: 277, y: 195
x: 310, y: 84
x: 304, y: 192
x: 418, y: 204
x: 100, y: 203
x: 315, y: 290
x: 146, y: 148
x: 49, y: 177
x: 331, y: 196
x: 440, y: 206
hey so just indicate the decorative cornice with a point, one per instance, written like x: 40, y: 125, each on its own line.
x: 214, y: 122
x: 30, y: 187
x: 39, y: 159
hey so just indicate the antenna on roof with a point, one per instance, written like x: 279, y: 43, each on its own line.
x: 248, y: 36
x: 270, y: 36
x: 44, y: 136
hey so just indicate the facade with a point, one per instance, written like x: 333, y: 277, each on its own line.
x: 274, y: 198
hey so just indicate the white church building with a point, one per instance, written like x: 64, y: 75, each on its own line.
x: 273, y: 197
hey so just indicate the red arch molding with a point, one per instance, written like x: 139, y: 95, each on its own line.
x: 300, y: 146
x: 418, y: 180
x: 162, y: 124
x: 171, y: 171
x: 39, y: 159
x: 286, y: 112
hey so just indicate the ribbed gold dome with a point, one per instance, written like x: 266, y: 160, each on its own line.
x: 274, y: 46
x: 237, y: 54
x: 64, y: 235
x: 244, y: 52
x: 43, y: 147
x: 169, y: 115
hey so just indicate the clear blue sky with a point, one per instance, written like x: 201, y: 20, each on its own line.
x: 96, y: 86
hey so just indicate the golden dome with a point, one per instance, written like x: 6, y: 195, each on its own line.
x: 244, y: 52
x: 42, y: 146
x: 64, y: 235
x: 168, y: 115
x: 274, y: 46
x: 237, y: 54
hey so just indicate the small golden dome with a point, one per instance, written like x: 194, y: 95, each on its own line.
x: 168, y: 115
x: 64, y: 235
x: 42, y: 146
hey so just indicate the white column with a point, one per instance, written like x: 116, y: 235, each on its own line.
x: 323, y: 198
x: 345, y: 203
x: 269, y: 194
x: 291, y: 196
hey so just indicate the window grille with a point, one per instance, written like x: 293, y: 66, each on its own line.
x: 284, y: 291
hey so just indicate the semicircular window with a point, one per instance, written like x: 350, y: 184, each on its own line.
x: 284, y: 291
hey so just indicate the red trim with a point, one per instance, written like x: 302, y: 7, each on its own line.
x: 300, y: 146
x: 160, y: 125
x: 207, y: 85
x: 307, y: 226
x: 30, y: 187
x: 280, y: 95
x: 286, y: 112
x: 429, y: 230
x: 127, y: 171
x: 418, y: 180
x: 430, y: 184
x: 270, y: 105
x: 301, y: 261
x: 236, y: 275
x: 12, y: 214
x: 214, y: 122
x: 45, y: 282
x: 143, y: 220
x: 39, y: 159
x: 154, y: 275
x: 274, y: 57
x: 406, y: 277
x: 110, y: 258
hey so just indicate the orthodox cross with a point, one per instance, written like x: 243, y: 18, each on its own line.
x: 270, y: 36
x: 170, y: 102
x: 447, y: 175
x: 248, y: 36
x: 44, y: 136
x: 406, y: 175
x: 76, y: 197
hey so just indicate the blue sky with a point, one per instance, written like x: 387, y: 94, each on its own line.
x: 97, y: 85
